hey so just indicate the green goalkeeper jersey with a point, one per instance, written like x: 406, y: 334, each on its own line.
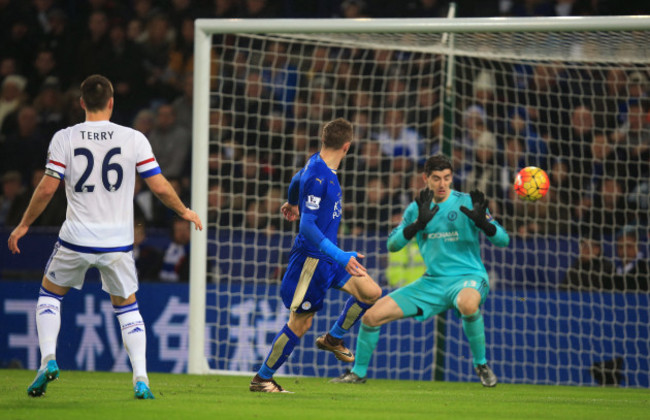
x: 450, y: 241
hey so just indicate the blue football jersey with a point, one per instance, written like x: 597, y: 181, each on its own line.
x: 320, y: 195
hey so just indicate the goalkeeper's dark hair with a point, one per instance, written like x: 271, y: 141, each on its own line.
x: 96, y: 91
x: 336, y: 133
x: 437, y: 162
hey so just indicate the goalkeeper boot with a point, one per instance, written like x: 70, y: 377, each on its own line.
x: 336, y: 346
x: 259, y: 384
x: 348, y: 377
x: 488, y: 378
x: 45, y: 375
x: 142, y: 391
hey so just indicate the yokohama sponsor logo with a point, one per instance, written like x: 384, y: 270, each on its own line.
x: 447, y: 236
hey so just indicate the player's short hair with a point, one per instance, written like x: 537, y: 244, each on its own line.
x: 437, y: 162
x: 96, y: 91
x: 336, y: 133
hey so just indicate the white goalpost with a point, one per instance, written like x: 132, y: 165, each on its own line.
x: 495, y: 94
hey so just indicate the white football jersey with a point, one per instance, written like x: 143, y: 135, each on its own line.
x: 98, y: 161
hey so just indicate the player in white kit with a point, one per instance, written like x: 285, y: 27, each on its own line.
x: 98, y: 161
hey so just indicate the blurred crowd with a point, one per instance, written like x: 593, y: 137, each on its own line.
x: 589, y: 127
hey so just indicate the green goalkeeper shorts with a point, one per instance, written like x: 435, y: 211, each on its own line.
x: 427, y: 297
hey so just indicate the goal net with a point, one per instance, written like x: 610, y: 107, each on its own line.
x: 568, y: 299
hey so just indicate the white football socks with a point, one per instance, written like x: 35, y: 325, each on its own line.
x: 135, y: 339
x: 48, y: 324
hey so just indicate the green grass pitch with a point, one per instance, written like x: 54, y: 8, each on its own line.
x: 101, y: 395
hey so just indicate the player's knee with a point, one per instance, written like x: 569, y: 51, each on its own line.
x: 467, y: 306
x: 371, y: 318
x: 372, y: 294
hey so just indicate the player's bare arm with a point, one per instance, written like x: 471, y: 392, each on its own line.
x: 159, y: 185
x: 40, y: 199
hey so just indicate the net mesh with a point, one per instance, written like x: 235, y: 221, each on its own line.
x: 568, y: 301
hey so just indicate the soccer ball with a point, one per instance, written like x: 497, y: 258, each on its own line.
x: 532, y: 183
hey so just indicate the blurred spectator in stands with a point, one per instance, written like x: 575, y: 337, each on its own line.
x: 484, y: 174
x: 44, y: 70
x: 21, y: 40
x: 175, y: 264
x: 223, y: 9
x: 280, y: 76
x: 425, y: 111
x: 637, y: 84
x: 59, y: 40
x: 632, y: 267
x: 633, y: 140
x: 170, y: 143
x: 606, y: 210
x: 127, y: 75
x: 8, y: 66
x: 94, y: 51
x: 304, y: 141
x: 148, y: 258
x: 155, y: 48
x: 374, y: 214
x: 220, y: 208
x: 274, y: 144
x: 251, y: 108
x: 25, y: 147
x: 144, y: 121
x: 484, y: 95
x: 607, y: 104
x: 273, y: 201
x: 519, y: 124
x: 259, y: 9
x: 12, y: 188
x: 73, y: 113
x: 221, y: 130
x: 420, y: 8
x: 183, y: 104
x: 399, y: 141
x: 591, y: 270
x: 323, y: 102
x: 353, y: 9
x: 397, y: 92
x: 49, y: 105
x: 256, y: 217
x: 365, y: 161
x: 541, y: 98
x: 532, y: 8
x: 12, y: 96
x: 575, y: 145
x: 320, y: 65
x: 181, y: 11
x: 474, y: 123
x: 181, y: 56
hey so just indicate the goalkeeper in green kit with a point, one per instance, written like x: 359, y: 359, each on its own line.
x: 446, y: 225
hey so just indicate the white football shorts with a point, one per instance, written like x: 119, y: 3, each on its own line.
x: 67, y: 268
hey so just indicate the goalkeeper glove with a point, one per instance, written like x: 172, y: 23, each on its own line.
x: 425, y: 213
x: 477, y: 214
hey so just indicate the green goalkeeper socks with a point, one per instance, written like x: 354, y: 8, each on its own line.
x: 366, y: 343
x: 475, y: 332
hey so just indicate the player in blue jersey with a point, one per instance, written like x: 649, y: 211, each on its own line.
x: 316, y: 264
x: 455, y: 276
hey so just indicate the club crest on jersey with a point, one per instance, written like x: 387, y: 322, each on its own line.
x: 306, y: 306
x: 313, y: 202
x: 452, y: 216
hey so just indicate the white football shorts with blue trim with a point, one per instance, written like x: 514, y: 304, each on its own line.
x: 67, y: 268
